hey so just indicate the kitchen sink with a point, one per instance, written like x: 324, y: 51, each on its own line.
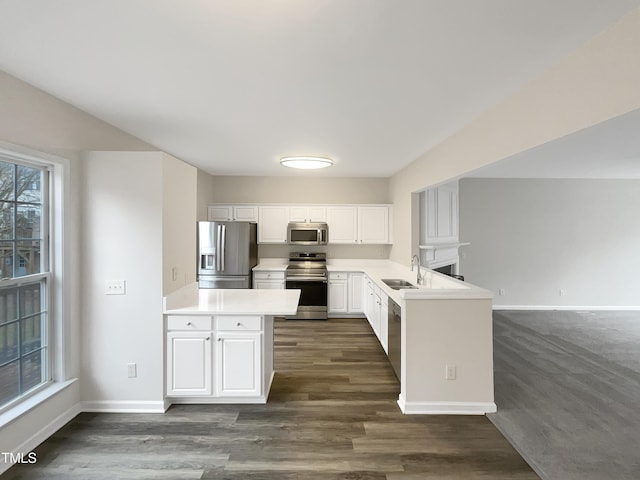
x: 397, y: 283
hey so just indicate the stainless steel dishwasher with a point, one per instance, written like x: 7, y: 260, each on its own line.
x: 394, y: 316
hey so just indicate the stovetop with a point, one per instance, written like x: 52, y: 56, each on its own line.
x: 307, y: 264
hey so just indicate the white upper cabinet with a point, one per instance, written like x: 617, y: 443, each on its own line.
x: 373, y: 224
x: 343, y: 224
x: 439, y: 214
x: 308, y: 214
x: 348, y: 224
x: 359, y: 224
x: 240, y: 213
x: 272, y: 224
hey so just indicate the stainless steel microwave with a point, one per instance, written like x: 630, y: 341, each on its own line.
x: 300, y: 233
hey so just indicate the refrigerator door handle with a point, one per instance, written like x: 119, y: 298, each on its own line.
x: 224, y: 245
x: 218, y: 248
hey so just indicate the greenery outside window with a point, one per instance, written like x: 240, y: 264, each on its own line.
x: 24, y: 277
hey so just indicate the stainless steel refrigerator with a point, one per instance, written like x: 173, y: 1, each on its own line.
x: 227, y: 252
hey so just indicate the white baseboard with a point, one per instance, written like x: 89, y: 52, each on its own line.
x: 568, y: 307
x: 125, y: 406
x: 41, y: 435
x: 445, y: 408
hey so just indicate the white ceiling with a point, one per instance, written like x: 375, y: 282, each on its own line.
x: 231, y: 86
x: 608, y: 150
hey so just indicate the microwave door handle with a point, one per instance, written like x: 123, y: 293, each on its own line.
x: 324, y: 235
x: 224, y: 245
x: 319, y: 237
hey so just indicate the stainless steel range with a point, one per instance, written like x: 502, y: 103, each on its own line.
x: 308, y: 272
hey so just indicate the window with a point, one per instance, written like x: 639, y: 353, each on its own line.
x: 24, y: 276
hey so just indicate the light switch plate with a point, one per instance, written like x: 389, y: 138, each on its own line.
x: 115, y: 287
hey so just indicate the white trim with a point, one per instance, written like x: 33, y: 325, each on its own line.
x: 568, y: 307
x: 124, y: 406
x: 257, y: 400
x: 41, y: 435
x: 24, y: 405
x: 446, y: 408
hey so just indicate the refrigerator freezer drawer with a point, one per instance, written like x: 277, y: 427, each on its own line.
x: 224, y: 282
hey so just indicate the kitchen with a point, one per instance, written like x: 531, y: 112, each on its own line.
x: 461, y: 321
x: 121, y: 195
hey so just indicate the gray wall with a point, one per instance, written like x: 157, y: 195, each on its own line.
x: 534, y: 237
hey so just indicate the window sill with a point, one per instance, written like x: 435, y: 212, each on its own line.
x: 28, y: 404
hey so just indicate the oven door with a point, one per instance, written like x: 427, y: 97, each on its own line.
x: 313, y: 297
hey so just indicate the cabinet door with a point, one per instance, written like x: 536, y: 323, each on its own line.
x: 369, y: 302
x: 272, y: 224
x: 245, y: 213
x: 317, y: 214
x: 342, y: 223
x: 355, y: 292
x: 373, y: 224
x: 222, y: 213
x: 238, y: 364
x: 189, y: 362
x: 298, y: 214
x: 338, y: 296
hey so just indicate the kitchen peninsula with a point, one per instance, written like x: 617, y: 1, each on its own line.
x: 444, y: 339
x: 219, y: 343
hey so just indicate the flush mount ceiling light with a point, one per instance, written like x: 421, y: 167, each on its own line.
x: 306, y: 163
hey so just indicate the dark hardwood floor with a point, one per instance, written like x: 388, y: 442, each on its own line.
x: 331, y: 415
x: 567, y: 386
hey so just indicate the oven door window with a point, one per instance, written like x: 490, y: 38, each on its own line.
x: 314, y: 293
x: 306, y: 236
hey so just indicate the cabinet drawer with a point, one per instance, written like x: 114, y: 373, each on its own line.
x: 188, y: 322
x: 338, y: 276
x: 238, y: 323
x: 268, y: 275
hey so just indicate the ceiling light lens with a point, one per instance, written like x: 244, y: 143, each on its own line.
x: 306, y: 163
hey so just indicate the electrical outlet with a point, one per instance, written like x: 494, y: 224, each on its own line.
x: 501, y: 292
x: 174, y: 273
x: 450, y: 372
x: 562, y: 292
x: 115, y: 287
x: 132, y: 370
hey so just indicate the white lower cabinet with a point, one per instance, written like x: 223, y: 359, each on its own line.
x: 189, y: 361
x: 269, y: 280
x: 238, y: 364
x: 376, y: 308
x: 225, y: 351
x: 345, y: 293
x: 356, y: 292
x: 338, y: 293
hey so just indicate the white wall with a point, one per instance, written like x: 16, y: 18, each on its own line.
x: 595, y: 83
x: 33, y: 119
x: 179, y: 204
x: 535, y: 237
x: 122, y: 240
x: 138, y: 224
x: 299, y: 190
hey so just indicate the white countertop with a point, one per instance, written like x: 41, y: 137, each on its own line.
x: 190, y: 300
x: 436, y: 285
x: 271, y: 265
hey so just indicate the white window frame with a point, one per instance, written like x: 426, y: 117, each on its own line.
x: 51, y: 217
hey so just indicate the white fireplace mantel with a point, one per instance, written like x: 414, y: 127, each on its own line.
x: 441, y: 254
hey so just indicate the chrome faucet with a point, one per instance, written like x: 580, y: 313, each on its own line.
x: 420, y: 277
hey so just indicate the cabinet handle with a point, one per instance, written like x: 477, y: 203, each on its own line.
x: 207, y: 338
x: 239, y: 324
x: 189, y: 324
x: 219, y: 339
